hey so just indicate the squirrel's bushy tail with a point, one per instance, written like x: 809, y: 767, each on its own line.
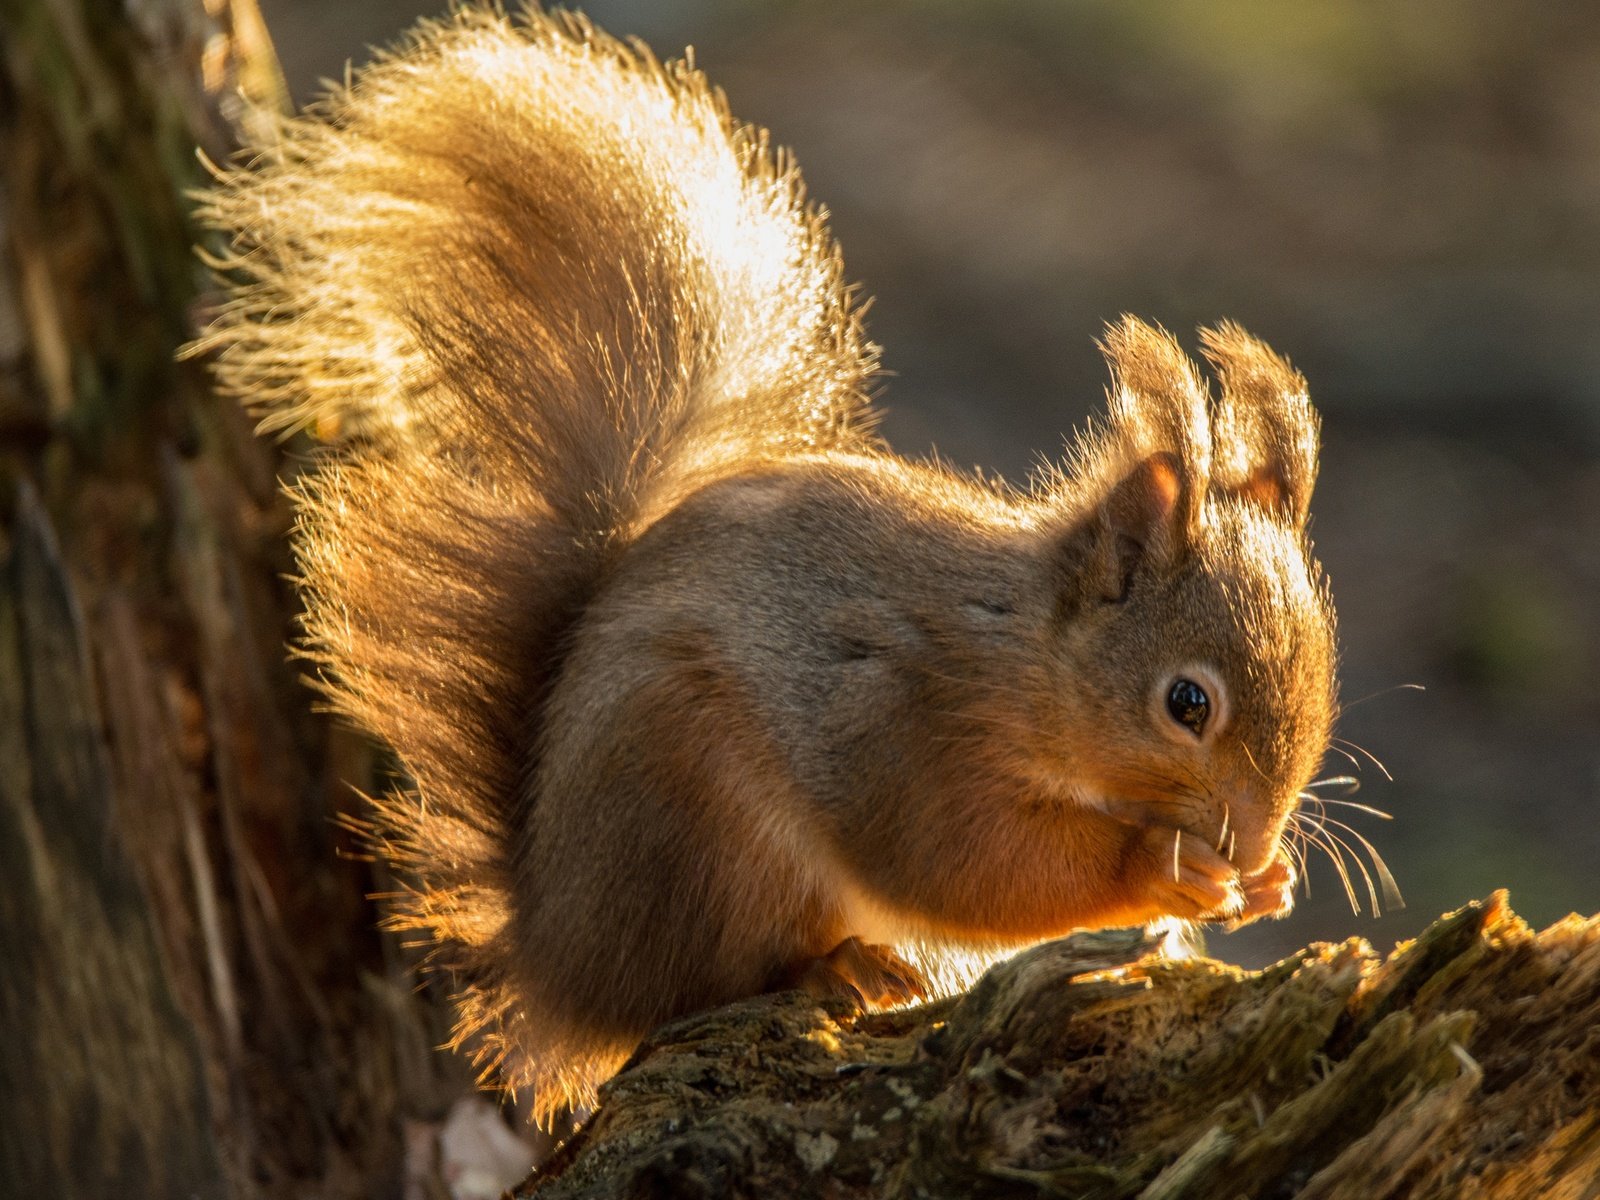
x: 532, y: 285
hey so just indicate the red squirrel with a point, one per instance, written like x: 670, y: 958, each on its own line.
x: 703, y: 690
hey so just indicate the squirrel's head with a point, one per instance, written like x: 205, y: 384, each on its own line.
x: 1189, y: 593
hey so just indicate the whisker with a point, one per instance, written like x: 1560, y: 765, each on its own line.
x: 1316, y: 836
x: 1133, y: 777
x: 1366, y: 808
x: 1320, y: 822
x: 1344, y: 781
x: 1391, y: 889
x: 1165, y: 784
x: 1337, y: 859
x: 1251, y: 758
x: 1399, y: 687
x: 1198, y: 782
x: 1369, y: 755
x: 1310, y: 802
x: 1347, y: 754
x: 1366, y: 877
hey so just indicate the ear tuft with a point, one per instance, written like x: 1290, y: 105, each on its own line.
x: 1264, y: 430
x: 1159, y: 411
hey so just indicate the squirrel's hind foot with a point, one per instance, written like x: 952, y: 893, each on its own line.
x: 864, y: 973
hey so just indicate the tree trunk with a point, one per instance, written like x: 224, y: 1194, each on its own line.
x: 194, y: 1000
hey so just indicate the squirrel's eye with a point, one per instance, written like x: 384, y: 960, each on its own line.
x: 1188, y: 704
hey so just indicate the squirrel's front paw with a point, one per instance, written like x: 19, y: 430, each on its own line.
x: 1192, y: 881
x: 863, y: 973
x: 1268, y: 893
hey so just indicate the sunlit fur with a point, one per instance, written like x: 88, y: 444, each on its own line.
x: 693, y: 678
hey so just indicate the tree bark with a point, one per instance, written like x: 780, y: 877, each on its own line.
x: 194, y: 1000
x: 1465, y: 1065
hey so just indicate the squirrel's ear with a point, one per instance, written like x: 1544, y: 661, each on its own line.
x: 1158, y: 406
x: 1142, y: 477
x: 1138, y: 525
x: 1264, y: 428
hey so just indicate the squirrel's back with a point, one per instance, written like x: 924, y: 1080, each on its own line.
x: 533, y: 285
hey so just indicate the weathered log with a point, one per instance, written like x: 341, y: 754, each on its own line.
x: 1466, y: 1064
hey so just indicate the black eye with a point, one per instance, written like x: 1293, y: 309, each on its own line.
x: 1188, y: 704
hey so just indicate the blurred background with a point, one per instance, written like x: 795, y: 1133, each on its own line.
x: 1404, y: 199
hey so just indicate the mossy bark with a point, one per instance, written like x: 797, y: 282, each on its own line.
x: 1463, y: 1065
